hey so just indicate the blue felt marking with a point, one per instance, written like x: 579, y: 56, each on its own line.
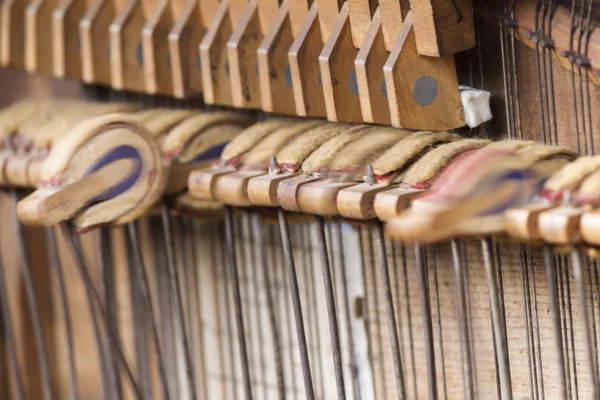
x: 383, y: 88
x: 288, y: 75
x: 139, y: 54
x: 210, y: 153
x: 118, y: 153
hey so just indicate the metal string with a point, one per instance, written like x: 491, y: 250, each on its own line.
x: 295, y: 295
x: 237, y: 301
x: 56, y: 265
x: 93, y: 295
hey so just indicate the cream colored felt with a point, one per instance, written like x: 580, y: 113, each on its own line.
x: 79, y: 150
x: 251, y: 136
x: 431, y: 163
x: 391, y: 164
x: 571, y: 175
x: 181, y: 164
x: 262, y: 190
x: 199, y: 132
x: 233, y: 188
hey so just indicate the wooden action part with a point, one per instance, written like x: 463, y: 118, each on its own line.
x: 303, y: 58
x: 155, y: 48
x: 276, y: 87
x: 522, y: 223
x: 126, y: 52
x: 39, y: 38
x: 242, y: 57
x: 66, y: 40
x: 184, y: 51
x: 214, y: 59
x: 422, y: 91
x: 95, y: 42
x: 338, y: 75
x: 12, y: 34
x: 443, y: 28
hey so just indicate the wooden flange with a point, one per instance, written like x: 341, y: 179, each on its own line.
x: 590, y: 227
x: 391, y: 203
x: 357, y: 202
x: 126, y: 52
x: 95, y: 42
x: 216, y: 70
x: 39, y: 38
x: 12, y: 34
x: 201, y: 184
x: 66, y: 42
x: 233, y: 188
x: 262, y: 190
x: 276, y: 89
x: 560, y: 225
x: 187, y: 33
x: 522, y: 223
x: 303, y: 58
x: 422, y: 91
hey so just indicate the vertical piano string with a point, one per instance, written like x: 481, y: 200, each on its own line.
x: 376, y: 321
x: 93, y: 297
x: 296, y: 303
x: 141, y: 277
x: 259, y: 240
x: 57, y: 268
x: 530, y: 342
x: 105, y: 262
x: 338, y: 245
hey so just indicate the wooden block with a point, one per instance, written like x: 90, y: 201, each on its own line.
x: 216, y: 85
x: 33, y: 172
x: 361, y: 12
x: 39, y: 40
x: 276, y: 88
x: 338, y: 75
x: 243, y: 60
x: 303, y: 58
x: 590, y: 227
x: 15, y: 170
x: 95, y: 42
x: 298, y: 13
x: 358, y: 202
x: 201, y: 184
x: 443, y: 27
x: 67, y: 44
x: 560, y: 225
x: 320, y: 197
x: 422, y: 91
x: 177, y: 180
x: 233, y: 188
x: 184, y: 53
x: 12, y: 34
x: 392, y: 14
x: 5, y: 155
x: 370, y: 79
x: 262, y: 190
x: 522, y: 223
x: 126, y: 53
x: 267, y: 12
x: 287, y: 192
x: 390, y: 203
x: 155, y: 50
x: 328, y: 15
